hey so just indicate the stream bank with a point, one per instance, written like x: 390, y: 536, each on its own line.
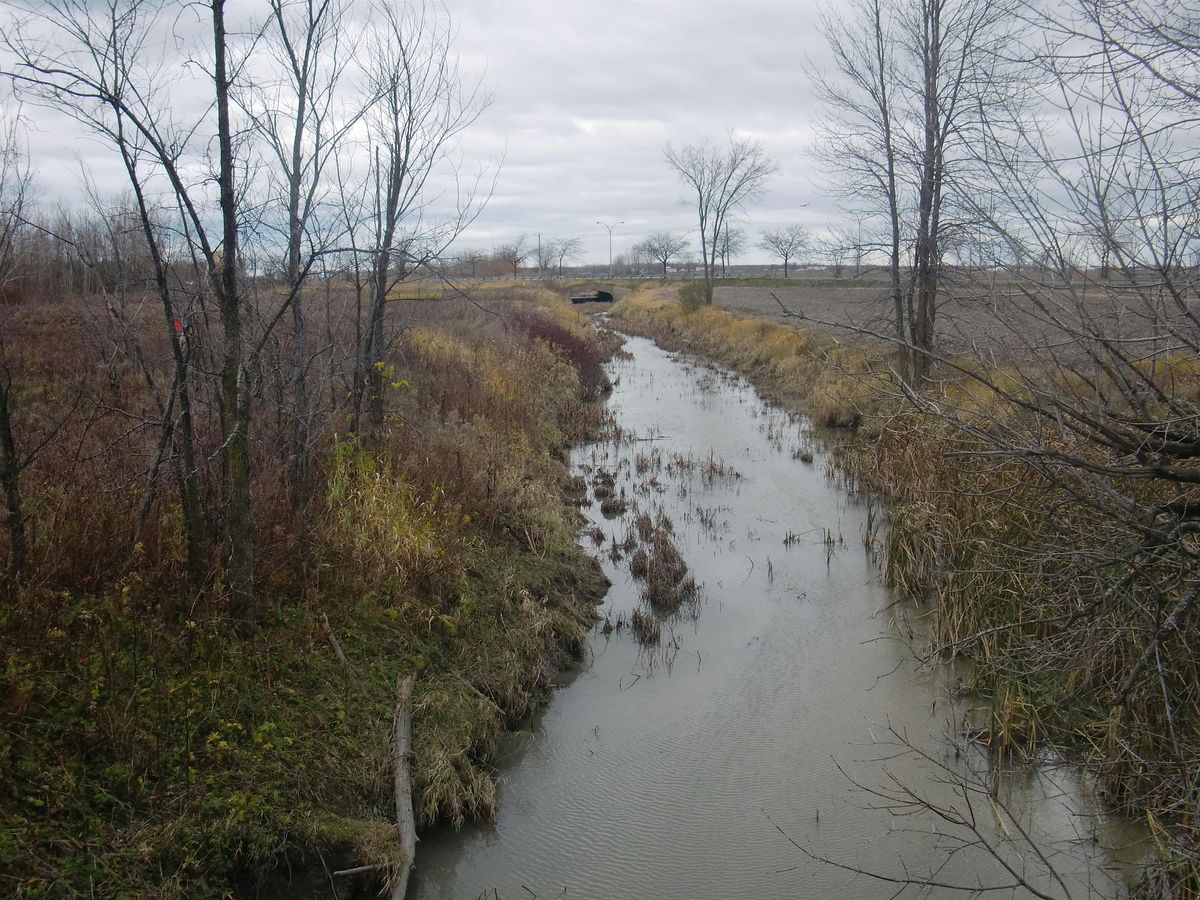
x: 700, y: 766
x: 149, y: 747
x: 1032, y: 570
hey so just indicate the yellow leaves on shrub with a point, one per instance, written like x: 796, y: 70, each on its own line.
x: 377, y: 520
x: 502, y: 388
x: 486, y: 414
x: 511, y: 385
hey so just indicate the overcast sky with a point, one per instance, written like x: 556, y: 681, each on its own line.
x: 589, y: 93
x: 587, y: 96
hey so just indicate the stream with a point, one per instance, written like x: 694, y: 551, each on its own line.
x: 748, y: 741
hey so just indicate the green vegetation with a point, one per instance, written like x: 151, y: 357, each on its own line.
x: 152, y: 748
x: 692, y: 295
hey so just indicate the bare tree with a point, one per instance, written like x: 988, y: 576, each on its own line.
x: 961, y: 50
x: 850, y: 246
x: 785, y: 243
x: 86, y: 71
x: 91, y: 69
x: 288, y: 124
x: 545, y: 254
x: 226, y: 267
x: 1071, y: 564
x: 915, y: 81
x: 297, y: 110
x: 1119, y: 428
x: 863, y: 141
x: 834, y: 248
x: 567, y: 248
x: 423, y: 105
x: 662, y: 247
x: 471, y: 257
x: 634, y: 261
x: 720, y: 180
x: 514, y: 253
x: 97, y: 67
x: 688, y: 261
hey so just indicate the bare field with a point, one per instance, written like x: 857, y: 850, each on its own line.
x: 987, y: 321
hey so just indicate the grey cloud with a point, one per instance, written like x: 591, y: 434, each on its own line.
x: 587, y: 95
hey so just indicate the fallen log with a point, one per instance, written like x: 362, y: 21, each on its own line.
x: 358, y: 870
x: 401, y: 755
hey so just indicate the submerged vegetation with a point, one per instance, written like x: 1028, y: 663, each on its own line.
x: 152, y: 747
x: 1063, y: 605
x: 668, y: 586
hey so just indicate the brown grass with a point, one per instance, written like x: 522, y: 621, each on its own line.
x: 150, y: 747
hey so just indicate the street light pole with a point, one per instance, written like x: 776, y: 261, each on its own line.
x: 610, y: 231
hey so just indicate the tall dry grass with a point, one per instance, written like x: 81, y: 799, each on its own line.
x: 149, y: 747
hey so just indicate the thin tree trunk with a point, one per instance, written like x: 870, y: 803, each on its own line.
x: 373, y: 364
x: 925, y: 275
x: 10, y: 474
x: 300, y: 412
x: 372, y: 360
x: 708, y: 268
x: 166, y: 438
x: 386, y: 234
x: 882, y: 98
x: 235, y: 408
x: 195, y: 539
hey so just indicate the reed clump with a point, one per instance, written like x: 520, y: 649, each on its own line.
x: 614, y: 504
x: 668, y: 585
x: 645, y: 525
x: 604, y: 484
x: 645, y: 627
x: 639, y: 563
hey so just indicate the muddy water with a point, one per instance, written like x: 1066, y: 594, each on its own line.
x: 694, y: 770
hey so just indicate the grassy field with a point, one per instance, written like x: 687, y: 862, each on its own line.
x: 152, y: 749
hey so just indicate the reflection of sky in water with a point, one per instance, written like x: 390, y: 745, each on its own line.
x: 665, y: 773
